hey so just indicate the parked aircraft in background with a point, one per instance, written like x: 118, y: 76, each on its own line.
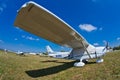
x: 19, y: 52
x: 56, y: 54
x: 43, y: 23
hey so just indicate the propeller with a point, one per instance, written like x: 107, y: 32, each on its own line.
x: 106, y: 46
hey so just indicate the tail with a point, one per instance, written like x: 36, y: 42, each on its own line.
x: 49, y: 50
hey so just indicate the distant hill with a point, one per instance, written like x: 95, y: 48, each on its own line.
x: 1, y: 49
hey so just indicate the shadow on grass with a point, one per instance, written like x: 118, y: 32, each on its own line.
x: 49, y: 61
x: 50, y: 70
x: 55, y: 61
x: 91, y: 63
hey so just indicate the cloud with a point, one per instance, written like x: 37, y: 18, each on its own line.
x: 95, y: 44
x: 23, y: 36
x: 30, y: 38
x: 118, y: 38
x: 2, y: 7
x: 87, y: 27
x: 105, y: 42
x: 18, y: 29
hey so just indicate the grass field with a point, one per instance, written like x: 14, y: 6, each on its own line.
x: 34, y: 67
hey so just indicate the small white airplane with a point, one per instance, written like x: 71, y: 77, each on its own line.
x: 56, y: 54
x: 19, y: 52
x: 43, y: 23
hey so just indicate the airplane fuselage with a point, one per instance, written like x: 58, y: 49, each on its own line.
x: 95, y: 52
x: 59, y: 54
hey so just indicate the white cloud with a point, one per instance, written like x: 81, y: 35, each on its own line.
x: 105, y: 42
x: 23, y: 36
x: 95, y: 44
x: 18, y: 29
x: 118, y: 38
x: 87, y: 27
x: 2, y: 7
x: 30, y: 38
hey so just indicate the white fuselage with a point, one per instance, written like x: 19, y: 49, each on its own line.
x: 94, y: 52
x: 59, y: 54
x: 56, y: 54
x: 76, y: 54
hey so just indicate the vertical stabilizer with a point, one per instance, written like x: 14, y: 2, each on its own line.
x: 49, y: 50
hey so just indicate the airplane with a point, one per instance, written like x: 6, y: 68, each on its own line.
x: 56, y: 54
x: 19, y: 52
x: 39, y: 21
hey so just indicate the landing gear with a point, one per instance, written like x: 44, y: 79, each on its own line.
x: 85, y: 61
x: 99, y: 60
x: 79, y: 64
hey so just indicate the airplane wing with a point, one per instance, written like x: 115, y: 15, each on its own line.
x: 43, y: 23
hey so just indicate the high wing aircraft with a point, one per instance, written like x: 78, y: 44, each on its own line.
x: 56, y: 54
x: 43, y: 23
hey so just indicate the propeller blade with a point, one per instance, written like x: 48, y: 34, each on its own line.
x: 106, y: 46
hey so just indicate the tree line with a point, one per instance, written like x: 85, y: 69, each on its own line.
x: 116, y: 48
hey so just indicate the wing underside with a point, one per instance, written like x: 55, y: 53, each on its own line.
x: 41, y: 22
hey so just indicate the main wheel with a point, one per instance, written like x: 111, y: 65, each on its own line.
x: 79, y: 64
x: 85, y: 61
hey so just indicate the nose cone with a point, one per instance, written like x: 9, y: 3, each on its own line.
x: 101, y: 51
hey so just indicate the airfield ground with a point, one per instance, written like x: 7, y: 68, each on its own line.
x: 35, y: 67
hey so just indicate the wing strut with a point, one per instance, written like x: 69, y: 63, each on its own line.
x: 86, y: 49
x: 82, y: 44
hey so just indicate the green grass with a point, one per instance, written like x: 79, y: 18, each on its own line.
x: 30, y: 67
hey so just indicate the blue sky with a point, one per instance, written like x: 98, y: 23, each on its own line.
x: 96, y: 20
